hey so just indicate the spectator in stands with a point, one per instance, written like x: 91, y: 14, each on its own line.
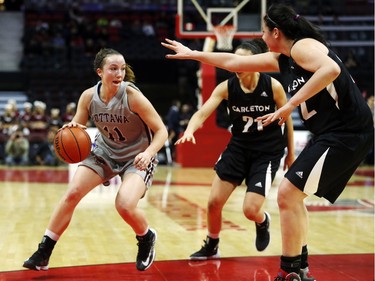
x: 13, y: 105
x: 38, y: 122
x: 17, y: 149
x: 55, y: 119
x: 70, y: 111
x: 185, y: 115
x: 58, y: 43
x: 8, y: 124
x: 38, y: 126
x: 45, y: 155
x: 116, y: 23
x: 148, y: 29
x: 25, y: 116
x: 76, y: 41
x: 173, y: 125
x: 9, y: 120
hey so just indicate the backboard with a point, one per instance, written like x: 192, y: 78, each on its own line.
x: 196, y: 18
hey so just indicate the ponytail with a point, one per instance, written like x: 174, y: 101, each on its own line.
x: 291, y: 24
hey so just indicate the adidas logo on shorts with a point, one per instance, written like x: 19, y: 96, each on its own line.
x: 300, y: 174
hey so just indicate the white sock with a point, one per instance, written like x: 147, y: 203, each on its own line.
x: 213, y: 236
x: 52, y: 235
x: 143, y: 234
x: 260, y: 223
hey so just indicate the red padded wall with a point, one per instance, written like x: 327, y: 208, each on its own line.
x: 211, y: 140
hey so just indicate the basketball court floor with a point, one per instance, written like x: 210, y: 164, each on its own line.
x: 98, y: 245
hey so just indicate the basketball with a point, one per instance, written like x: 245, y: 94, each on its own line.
x: 72, y: 144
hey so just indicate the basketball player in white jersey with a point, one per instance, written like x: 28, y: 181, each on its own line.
x: 131, y: 132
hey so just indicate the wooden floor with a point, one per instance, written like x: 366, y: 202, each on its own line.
x: 341, y: 234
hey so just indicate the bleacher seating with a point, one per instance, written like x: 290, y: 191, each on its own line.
x: 347, y: 31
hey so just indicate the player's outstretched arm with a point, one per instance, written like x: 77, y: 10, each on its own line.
x: 196, y: 121
x: 265, y: 62
x: 212, y: 58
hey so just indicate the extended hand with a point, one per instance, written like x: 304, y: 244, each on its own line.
x: 186, y: 138
x: 182, y: 52
x: 282, y: 114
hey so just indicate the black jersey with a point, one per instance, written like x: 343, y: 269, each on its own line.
x: 244, y: 108
x: 339, y: 107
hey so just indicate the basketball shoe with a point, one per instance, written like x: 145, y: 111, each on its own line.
x: 146, y: 250
x: 306, y: 275
x: 284, y: 276
x: 263, y: 233
x: 39, y: 260
x: 209, y: 250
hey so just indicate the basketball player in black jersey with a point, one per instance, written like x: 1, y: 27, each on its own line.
x: 331, y: 107
x: 253, y: 153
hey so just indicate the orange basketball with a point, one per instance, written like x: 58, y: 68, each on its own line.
x: 72, y: 144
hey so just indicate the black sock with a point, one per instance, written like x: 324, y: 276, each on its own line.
x: 304, y: 256
x: 212, y: 242
x: 47, y: 245
x: 290, y: 264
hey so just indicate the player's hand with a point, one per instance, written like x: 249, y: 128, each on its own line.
x: 282, y: 114
x: 73, y: 124
x: 186, y: 137
x: 288, y: 161
x: 182, y: 52
x: 142, y: 160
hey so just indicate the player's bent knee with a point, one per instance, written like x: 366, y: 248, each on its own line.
x: 73, y: 196
x: 251, y: 212
x: 124, y: 209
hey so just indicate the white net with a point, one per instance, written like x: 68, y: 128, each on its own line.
x: 224, y: 36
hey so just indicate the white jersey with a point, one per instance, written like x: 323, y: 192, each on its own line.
x: 122, y: 133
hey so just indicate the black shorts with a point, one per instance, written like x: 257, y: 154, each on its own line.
x: 257, y: 168
x: 327, y: 163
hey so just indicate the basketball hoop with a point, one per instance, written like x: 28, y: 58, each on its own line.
x: 224, y: 36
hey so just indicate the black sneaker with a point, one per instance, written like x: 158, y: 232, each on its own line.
x: 209, y: 250
x: 146, y: 250
x: 39, y: 260
x: 263, y: 233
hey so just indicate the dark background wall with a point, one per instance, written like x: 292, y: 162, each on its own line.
x: 60, y: 39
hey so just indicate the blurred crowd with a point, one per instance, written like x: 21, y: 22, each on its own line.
x: 80, y: 30
x: 177, y: 119
x: 27, y: 133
